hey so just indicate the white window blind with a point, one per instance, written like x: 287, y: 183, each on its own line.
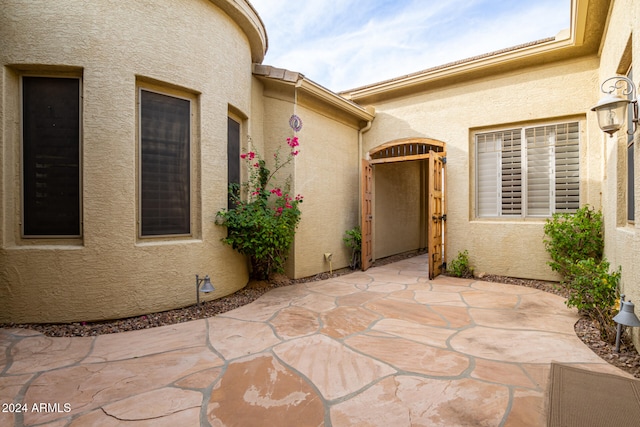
x: 488, y: 174
x: 540, y: 170
x: 536, y: 177
x: 511, y: 167
x: 567, y: 151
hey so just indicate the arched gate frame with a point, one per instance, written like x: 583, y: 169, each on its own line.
x: 400, y: 151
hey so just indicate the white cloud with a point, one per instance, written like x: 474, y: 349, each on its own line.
x: 343, y: 44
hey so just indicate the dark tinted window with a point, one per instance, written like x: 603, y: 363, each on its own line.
x: 165, y: 168
x: 51, y: 156
x: 233, y: 156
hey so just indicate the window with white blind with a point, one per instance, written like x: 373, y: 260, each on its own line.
x: 165, y: 171
x: 528, y: 172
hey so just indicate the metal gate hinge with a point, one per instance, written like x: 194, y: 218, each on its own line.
x: 444, y: 160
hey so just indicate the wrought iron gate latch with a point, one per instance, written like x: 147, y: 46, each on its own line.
x: 437, y: 218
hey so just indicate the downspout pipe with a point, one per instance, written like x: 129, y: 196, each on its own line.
x: 361, y: 132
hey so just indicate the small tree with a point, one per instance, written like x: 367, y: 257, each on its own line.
x: 263, y: 225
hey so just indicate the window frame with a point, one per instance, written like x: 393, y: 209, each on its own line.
x: 192, y: 167
x: 524, y: 160
x: 23, y: 196
x: 630, y: 159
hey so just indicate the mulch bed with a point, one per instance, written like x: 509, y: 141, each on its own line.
x: 628, y: 359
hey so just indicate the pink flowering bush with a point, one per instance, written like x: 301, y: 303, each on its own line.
x: 263, y: 225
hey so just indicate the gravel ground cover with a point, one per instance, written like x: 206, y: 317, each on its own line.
x: 627, y: 359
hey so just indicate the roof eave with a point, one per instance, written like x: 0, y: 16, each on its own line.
x: 453, y: 69
x: 570, y: 38
x: 266, y: 72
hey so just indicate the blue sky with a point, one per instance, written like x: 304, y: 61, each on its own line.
x: 343, y: 44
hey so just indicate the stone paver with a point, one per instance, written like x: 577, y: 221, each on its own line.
x: 385, y: 347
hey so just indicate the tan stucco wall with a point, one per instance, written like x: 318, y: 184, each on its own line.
x: 622, y: 239
x: 327, y: 176
x: 190, y: 46
x: 453, y: 112
x: 325, y: 173
x: 397, y: 208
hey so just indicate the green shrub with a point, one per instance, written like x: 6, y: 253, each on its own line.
x: 459, y: 266
x: 575, y: 244
x: 262, y: 226
x: 593, y: 290
x: 573, y: 237
x: 353, y: 240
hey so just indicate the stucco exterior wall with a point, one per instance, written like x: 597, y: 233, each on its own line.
x: 621, y: 49
x: 327, y: 176
x: 325, y: 173
x: 190, y: 47
x: 397, y: 208
x: 454, y: 112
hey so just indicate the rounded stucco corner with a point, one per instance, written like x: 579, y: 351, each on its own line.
x: 246, y: 16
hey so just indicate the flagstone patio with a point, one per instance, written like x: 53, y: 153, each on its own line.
x: 385, y: 347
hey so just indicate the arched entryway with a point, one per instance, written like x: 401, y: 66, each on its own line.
x: 413, y: 191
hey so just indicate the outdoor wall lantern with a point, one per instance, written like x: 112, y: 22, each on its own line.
x: 625, y: 316
x: 612, y: 108
x: 204, y: 286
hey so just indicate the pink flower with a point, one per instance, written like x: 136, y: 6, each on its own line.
x: 293, y: 142
x: 277, y: 192
x: 256, y: 165
x: 298, y: 198
x: 295, y: 153
x: 251, y: 155
x: 243, y: 156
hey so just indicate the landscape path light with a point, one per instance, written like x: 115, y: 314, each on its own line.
x: 204, y: 286
x: 626, y: 317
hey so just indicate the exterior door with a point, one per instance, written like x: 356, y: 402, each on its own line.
x: 367, y: 215
x: 437, y: 213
